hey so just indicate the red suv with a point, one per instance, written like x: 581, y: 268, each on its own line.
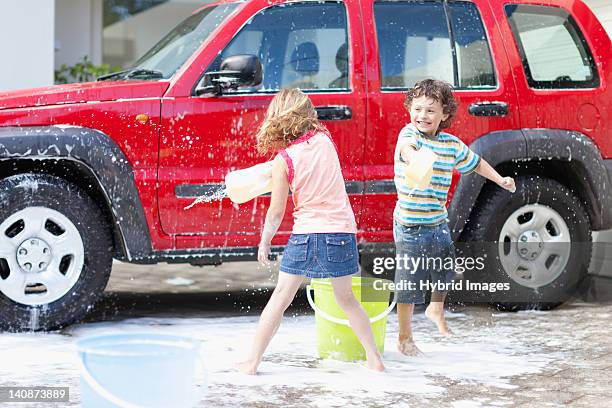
x: 95, y: 171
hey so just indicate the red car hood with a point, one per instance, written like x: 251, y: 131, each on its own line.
x: 83, y: 92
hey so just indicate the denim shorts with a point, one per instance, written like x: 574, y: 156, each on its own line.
x: 324, y: 255
x: 425, y: 255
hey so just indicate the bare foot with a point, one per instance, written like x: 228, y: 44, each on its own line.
x: 408, y: 348
x: 246, y: 367
x: 436, y: 315
x: 375, y: 363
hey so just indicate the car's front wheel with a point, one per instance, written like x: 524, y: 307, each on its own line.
x: 55, y: 252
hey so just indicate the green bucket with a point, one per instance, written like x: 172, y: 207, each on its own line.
x: 335, y: 338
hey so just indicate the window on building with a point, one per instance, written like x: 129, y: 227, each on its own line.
x: 119, y: 10
x: 169, y: 54
x: 132, y: 27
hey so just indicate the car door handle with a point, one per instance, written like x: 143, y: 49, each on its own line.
x: 334, y: 112
x: 488, y: 109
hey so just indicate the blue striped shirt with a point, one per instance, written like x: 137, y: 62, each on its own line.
x: 428, y: 206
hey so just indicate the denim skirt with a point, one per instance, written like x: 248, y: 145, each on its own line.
x: 321, y: 255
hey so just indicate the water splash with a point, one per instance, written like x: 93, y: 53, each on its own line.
x: 208, y: 197
x: 34, y: 318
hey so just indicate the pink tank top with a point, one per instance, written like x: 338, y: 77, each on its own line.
x: 321, y: 204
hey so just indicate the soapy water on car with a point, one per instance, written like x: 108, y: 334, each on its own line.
x: 256, y: 180
x: 209, y: 197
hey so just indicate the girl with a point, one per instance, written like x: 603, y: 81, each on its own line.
x: 323, y: 241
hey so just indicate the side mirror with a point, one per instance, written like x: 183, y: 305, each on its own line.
x: 235, y: 71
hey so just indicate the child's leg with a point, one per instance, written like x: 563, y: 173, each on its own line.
x: 410, y: 248
x: 405, y: 342
x: 270, y: 318
x: 443, y: 248
x: 435, y: 312
x: 358, y: 319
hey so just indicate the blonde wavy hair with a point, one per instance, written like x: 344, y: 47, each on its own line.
x: 290, y: 115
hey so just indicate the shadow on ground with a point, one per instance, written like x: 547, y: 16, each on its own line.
x: 120, y: 305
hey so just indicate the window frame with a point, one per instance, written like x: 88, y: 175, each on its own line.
x: 451, y: 34
x: 577, y: 36
x: 239, y: 92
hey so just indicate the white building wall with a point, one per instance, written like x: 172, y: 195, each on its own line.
x: 603, y: 11
x: 78, y: 31
x: 127, y: 40
x: 26, y: 48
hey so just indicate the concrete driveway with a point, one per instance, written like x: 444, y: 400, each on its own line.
x: 552, y: 358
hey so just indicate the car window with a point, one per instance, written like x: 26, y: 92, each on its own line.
x: 414, y: 42
x: 301, y: 45
x: 554, y: 51
x: 171, y: 52
x: 474, y: 62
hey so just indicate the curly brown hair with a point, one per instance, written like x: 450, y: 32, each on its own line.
x: 437, y: 90
x: 290, y: 115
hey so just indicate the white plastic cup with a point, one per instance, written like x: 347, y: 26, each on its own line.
x: 246, y: 184
x: 419, y: 170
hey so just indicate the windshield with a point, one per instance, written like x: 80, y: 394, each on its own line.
x: 168, y: 55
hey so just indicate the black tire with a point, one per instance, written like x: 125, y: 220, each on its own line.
x: 33, y: 192
x: 494, y: 208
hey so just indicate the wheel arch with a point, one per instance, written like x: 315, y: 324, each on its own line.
x: 566, y: 156
x: 92, y: 161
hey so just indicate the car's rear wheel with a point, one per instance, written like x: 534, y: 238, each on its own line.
x: 537, y: 241
x: 55, y: 252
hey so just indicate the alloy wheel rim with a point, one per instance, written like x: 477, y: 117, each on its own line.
x: 534, y: 245
x: 41, y: 256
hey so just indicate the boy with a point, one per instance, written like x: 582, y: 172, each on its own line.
x: 420, y: 225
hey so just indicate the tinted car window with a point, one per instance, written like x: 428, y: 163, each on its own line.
x: 554, y: 51
x: 474, y: 62
x: 299, y: 44
x: 414, y: 43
